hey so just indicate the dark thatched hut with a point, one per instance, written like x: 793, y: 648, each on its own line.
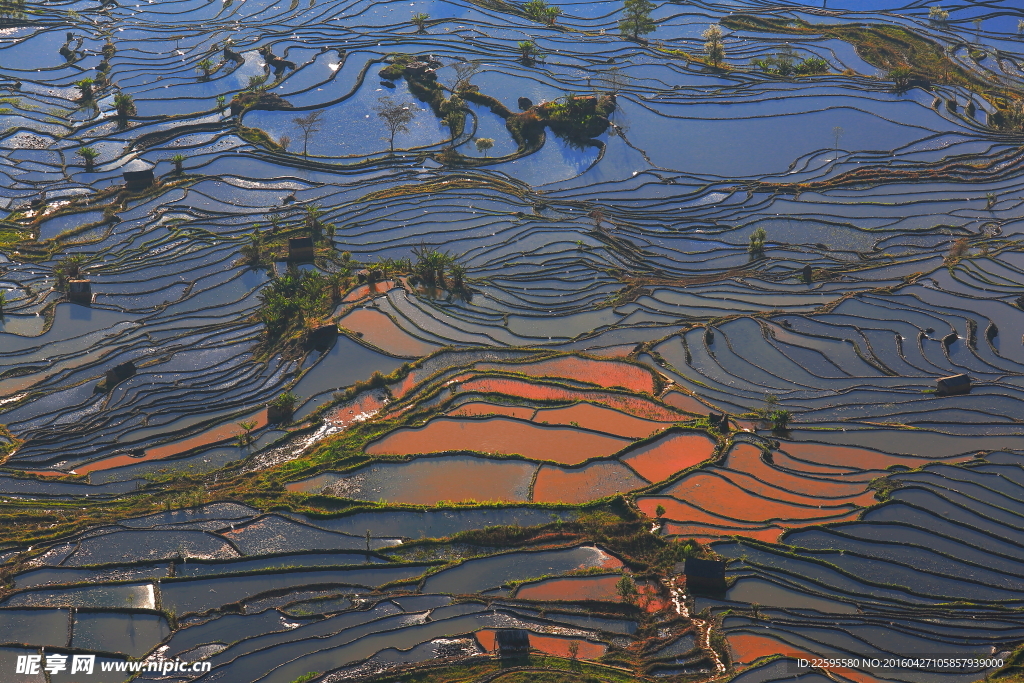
x: 138, y: 175
x: 300, y: 249
x: 705, y: 576
x: 512, y: 642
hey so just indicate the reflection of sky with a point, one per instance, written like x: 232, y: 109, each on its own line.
x: 764, y: 144
x: 352, y: 127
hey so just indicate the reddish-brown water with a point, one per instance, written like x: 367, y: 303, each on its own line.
x: 596, y: 480
x: 686, y: 402
x: 669, y: 455
x: 541, y: 391
x: 479, y: 408
x: 552, y: 645
x: 572, y: 588
x: 499, y: 435
x: 379, y: 330
x: 714, y: 493
x: 600, y: 418
x: 224, y: 432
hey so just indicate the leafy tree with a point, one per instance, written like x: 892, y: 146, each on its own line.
x: 539, y: 10
x: 937, y: 14
x: 206, y: 67
x: 659, y: 511
x: 85, y: 87
x: 626, y: 589
x: 70, y: 267
x: 457, y: 271
x: 252, y: 249
x: 286, y: 402
x: 257, y: 83
x: 295, y: 300
x: 637, y: 20
x: 245, y: 438
x: 3, y: 301
x: 308, y: 124
x: 178, y: 160
x: 454, y: 114
x: 396, y: 117
x: 89, y: 155
x: 780, y: 420
x: 420, y: 20
x: 713, y: 45
x: 313, y: 224
x: 756, y: 246
x: 528, y: 52
x: 125, y: 105
x: 222, y: 102
x: 900, y: 76
x: 812, y: 65
x: 431, y: 266
x: 484, y: 144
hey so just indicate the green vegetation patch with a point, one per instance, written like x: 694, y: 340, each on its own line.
x: 885, y: 46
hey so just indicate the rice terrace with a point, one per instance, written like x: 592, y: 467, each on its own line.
x: 511, y: 341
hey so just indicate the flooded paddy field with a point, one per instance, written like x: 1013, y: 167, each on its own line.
x: 357, y: 341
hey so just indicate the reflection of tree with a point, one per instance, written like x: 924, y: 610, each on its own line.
x: 12, y: 9
x: 309, y: 125
x: 613, y: 81
x: 396, y: 116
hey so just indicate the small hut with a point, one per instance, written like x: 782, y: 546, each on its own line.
x: 322, y: 337
x: 512, y: 642
x: 706, y: 576
x: 80, y: 292
x: 120, y: 373
x: 300, y: 249
x: 954, y: 384
x: 138, y: 175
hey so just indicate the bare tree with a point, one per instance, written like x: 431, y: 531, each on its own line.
x: 464, y: 72
x: 309, y: 124
x: 396, y: 116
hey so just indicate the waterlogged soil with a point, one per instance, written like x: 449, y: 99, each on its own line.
x: 564, y: 445
x: 374, y: 327
x: 669, y: 455
x: 599, y: 418
x: 552, y: 645
x: 426, y: 481
x: 814, y: 248
x: 589, y: 482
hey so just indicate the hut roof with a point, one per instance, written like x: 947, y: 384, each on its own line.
x: 137, y: 165
x: 512, y: 640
